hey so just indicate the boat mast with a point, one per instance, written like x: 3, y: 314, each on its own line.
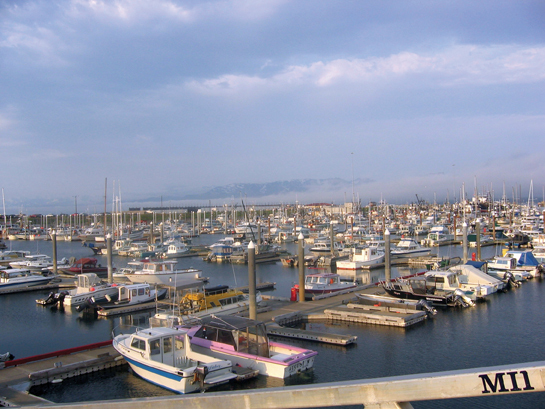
x: 105, y: 194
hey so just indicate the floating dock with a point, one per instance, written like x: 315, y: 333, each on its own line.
x: 337, y: 339
x: 370, y: 314
x: 19, y: 375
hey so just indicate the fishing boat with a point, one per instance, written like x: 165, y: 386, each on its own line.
x: 418, y: 288
x: 245, y: 342
x: 162, y: 272
x: 409, y: 247
x: 325, y: 283
x: 89, y: 285
x: 83, y: 266
x: 164, y: 356
x: 361, y: 257
x: 217, y: 300
x: 23, y: 278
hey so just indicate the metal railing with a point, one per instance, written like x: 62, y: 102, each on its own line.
x: 391, y: 392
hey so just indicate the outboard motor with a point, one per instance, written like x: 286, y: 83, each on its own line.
x: 200, y: 374
x: 51, y: 299
x: 427, y: 307
x: 88, y: 307
x: 464, y: 300
x: 509, y: 278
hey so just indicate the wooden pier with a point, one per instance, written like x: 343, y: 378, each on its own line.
x: 19, y: 375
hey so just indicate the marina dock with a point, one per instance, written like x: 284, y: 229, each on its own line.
x: 19, y: 375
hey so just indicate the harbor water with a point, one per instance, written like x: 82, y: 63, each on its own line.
x: 508, y: 328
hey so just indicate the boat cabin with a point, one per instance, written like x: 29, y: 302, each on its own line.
x: 239, y: 334
x: 164, y: 345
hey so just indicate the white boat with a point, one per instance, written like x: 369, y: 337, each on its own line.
x: 245, y: 342
x: 132, y: 294
x: 164, y: 356
x: 361, y: 257
x: 324, y: 283
x: 162, y: 272
x: 23, y: 278
x: 452, y: 280
x: 89, y: 285
x: 38, y: 261
x: 10, y: 256
x: 324, y: 247
x: 175, y: 249
x: 437, y: 235
x: 498, y: 267
x: 526, y: 261
x: 408, y: 247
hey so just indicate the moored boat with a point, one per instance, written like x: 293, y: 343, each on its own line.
x: 163, y: 272
x: 89, y: 285
x: 245, y: 342
x: 325, y: 283
x: 164, y: 356
x: 23, y: 278
x: 409, y: 247
x: 361, y: 257
x: 83, y: 266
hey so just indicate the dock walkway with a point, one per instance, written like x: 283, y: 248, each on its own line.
x: 19, y: 375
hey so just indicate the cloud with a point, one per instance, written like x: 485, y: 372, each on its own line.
x: 457, y: 65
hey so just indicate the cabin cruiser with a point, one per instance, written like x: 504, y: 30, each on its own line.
x: 526, y: 261
x: 175, y: 248
x: 437, y: 235
x: 164, y: 356
x: 502, y: 267
x: 409, y: 247
x: 324, y: 247
x: 127, y: 295
x: 85, y: 265
x: 420, y: 287
x: 245, y: 342
x: 325, y: 283
x: 361, y: 257
x: 162, y: 272
x: 23, y: 278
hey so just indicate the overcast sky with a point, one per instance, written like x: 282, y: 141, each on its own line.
x: 166, y: 97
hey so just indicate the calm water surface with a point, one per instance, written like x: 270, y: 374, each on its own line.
x: 508, y: 328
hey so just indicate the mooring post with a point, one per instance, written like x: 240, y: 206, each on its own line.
x: 301, y: 262
x: 54, y: 240
x: 162, y: 233
x: 259, y: 233
x: 252, y: 281
x: 464, y: 242
x: 478, y: 239
x: 332, y: 239
x: 387, y: 264
x: 109, y: 258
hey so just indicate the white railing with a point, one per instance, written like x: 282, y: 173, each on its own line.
x: 392, y: 392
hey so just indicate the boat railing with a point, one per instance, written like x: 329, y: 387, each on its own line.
x: 125, y: 329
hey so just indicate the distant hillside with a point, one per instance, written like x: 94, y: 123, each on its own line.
x: 281, y: 188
